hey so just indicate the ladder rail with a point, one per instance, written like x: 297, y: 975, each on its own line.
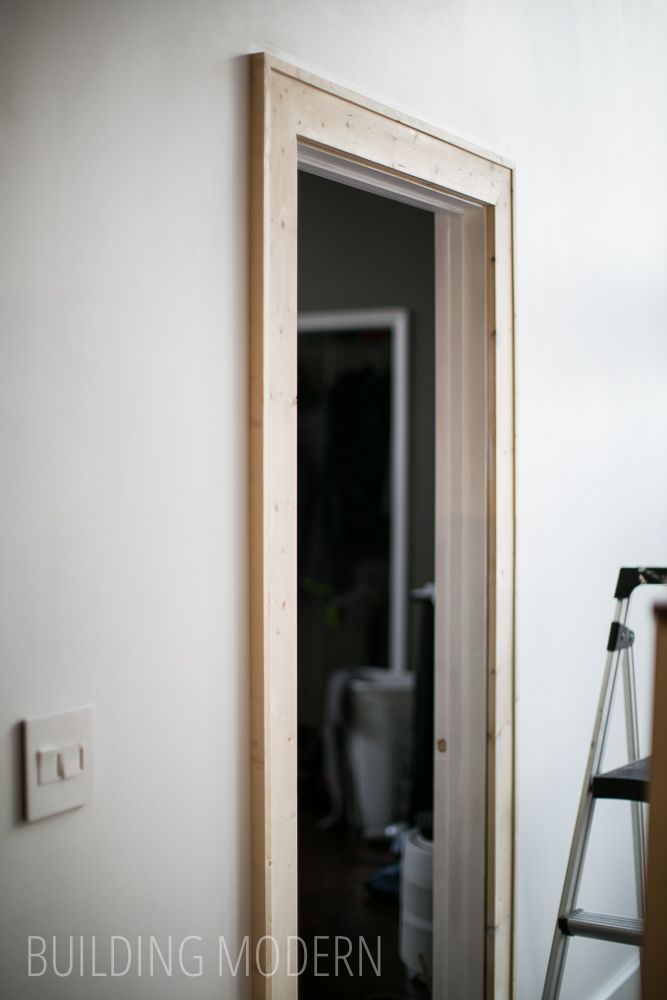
x: 603, y: 927
x: 584, y: 819
x: 638, y: 816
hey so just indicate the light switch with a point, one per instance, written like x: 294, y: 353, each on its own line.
x: 47, y: 765
x: 71, y: 760
x: 58, y: 762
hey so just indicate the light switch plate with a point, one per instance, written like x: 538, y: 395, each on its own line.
x: 58, y: 762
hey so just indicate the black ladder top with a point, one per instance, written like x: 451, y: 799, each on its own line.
x: 630, y: 782
x: 634, y: 576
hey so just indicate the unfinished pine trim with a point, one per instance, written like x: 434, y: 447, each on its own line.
x: 290, y: 107
x: 461, y: 575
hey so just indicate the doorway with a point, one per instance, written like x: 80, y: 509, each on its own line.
x: 297, y: 118
x: 366, y: 486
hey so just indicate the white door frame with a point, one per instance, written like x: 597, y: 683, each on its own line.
x: 292, y: 109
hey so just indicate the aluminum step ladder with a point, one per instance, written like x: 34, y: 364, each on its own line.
x: 629, y: 783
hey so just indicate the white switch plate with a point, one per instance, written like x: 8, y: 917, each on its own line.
x: 58, y: 762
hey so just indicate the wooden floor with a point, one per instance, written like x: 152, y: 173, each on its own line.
x: 333, y: 901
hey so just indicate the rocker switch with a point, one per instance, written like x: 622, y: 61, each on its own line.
x: 70, y: 760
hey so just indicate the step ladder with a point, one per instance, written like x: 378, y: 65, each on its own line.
x: 629, y: 783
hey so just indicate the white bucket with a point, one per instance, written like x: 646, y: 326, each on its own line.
x: 379, y: 747
x: 416, y: 912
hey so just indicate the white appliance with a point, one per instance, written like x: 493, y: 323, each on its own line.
x: 379, y: 751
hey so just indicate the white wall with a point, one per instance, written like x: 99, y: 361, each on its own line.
x: 123, y: 368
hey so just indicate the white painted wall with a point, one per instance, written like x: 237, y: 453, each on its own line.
x: 123, y: 387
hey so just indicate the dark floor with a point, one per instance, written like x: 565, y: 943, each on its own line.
x: 333, y: 900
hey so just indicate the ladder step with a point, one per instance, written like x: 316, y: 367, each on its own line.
x: 620, y: 930
x: 630, y: 782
